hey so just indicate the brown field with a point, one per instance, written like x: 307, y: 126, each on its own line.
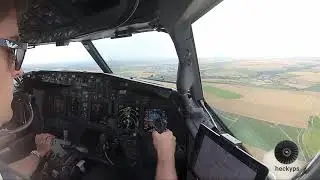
x: 301, y: 85
x: 252, y: 64
x: 307, y: 76
x: 142, y: 73
x: 286, y: 107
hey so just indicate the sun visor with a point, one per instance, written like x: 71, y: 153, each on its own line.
x: 47, y: 21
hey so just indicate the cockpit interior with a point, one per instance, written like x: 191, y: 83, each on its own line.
x: 103, y: 122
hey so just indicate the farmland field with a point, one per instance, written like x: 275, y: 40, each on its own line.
x: 221, y: 93
x: 276, y: 100
x: 253, y: 131
x: 278, y: 106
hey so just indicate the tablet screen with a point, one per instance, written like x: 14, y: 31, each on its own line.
x: 213, y: 162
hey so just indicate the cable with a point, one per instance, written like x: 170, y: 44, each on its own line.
x: 106, y: 156
x: 131, y: 14
x: 211, y: 118
x: 5, y: 132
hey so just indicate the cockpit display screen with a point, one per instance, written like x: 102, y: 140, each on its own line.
x: 217, y: 158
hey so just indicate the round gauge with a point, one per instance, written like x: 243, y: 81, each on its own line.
x: 128, y: 118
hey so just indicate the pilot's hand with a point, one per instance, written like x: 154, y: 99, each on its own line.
x: 43, y: 143
x: 165, y: 145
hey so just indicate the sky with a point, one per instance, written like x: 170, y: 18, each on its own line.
x: 234, y: 29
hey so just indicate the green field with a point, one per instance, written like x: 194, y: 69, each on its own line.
x: 314, y: 122
x: 315, y: 88
x: 222, y: 93
x: 257, y: 133
x: 311, y: 136
x: 311, y: 142
x: 266, y: 135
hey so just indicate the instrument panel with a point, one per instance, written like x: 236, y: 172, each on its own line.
x: 97, y: 99
x: 102, y: 112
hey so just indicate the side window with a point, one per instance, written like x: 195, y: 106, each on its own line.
x: 260, y: 74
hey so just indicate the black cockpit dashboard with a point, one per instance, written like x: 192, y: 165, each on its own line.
x: 107, y: 118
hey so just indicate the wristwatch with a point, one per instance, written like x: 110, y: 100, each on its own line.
x: 36, y: 153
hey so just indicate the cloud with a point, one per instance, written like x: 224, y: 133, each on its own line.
x: 259, y: 28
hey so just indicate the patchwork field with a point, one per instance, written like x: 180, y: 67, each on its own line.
x: 221, y: 93
x: 277, y: 106
x: 307, y: 76
x: 263, y: 103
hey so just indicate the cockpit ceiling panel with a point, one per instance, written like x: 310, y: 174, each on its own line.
x: 45, y: 21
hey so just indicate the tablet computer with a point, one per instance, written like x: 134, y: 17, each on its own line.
x: 215, y: 157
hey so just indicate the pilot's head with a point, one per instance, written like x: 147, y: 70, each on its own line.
x: 8, y: 70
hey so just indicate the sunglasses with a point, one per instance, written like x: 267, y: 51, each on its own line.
x: 17, y: 49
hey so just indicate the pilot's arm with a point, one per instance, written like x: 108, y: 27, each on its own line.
x: 28, y: 165
x: 165, y: 145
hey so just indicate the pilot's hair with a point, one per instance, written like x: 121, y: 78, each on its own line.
x: 5, y: 6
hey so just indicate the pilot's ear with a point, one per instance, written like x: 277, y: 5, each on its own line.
x: 16, y: 73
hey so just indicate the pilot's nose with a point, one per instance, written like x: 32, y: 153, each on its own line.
x: 16, y: 74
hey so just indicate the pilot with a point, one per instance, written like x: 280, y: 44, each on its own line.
x: 164, y: 143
